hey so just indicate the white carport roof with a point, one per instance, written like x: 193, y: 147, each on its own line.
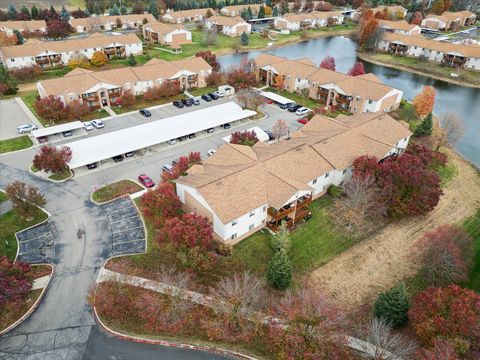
x: 74, y: 125
x: 275, y: 97
x: 261, y: 135
x: 119, y: 142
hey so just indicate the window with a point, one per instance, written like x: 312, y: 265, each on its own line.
x: 314, y: 181
x: 323, y: 189
x: 233, y: 236
x: 12, y: 60
x: 370, y: 101
x: 252, y: 213
x: 234, y: 222
x: 327, y: 175
x: 344, y: 171
x: 251, y: 226
x: 264, y: 208
x: 84, y: 50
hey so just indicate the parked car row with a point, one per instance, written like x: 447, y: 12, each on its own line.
x: 212, y: 96
x: 191, y: 136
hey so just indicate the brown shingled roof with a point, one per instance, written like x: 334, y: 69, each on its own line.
x: 226, y: 20
x: 31, y: 25
x: 102, y: 20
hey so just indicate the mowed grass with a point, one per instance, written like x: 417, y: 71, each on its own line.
x: 115, y: 190
x: 10, y: 223
x: 18, y: 143
x: 472, y: 226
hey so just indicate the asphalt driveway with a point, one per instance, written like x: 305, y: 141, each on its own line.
x: 11, y: 116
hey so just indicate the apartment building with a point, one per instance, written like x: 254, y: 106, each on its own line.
x: 394, y: 11
x: 444, y: 53
x: 107, y: 23
x: 35, y: 27
x: 295, y: 22
x: 167, y: 34
x: 230, y: 26
x: 104, y: 88
x: 449, y: 20
x: 242, y: 189
x: 236, y: 10
x: 356, y: 94
x: 183, y: 16
x: 400, y: 27
x: 50, y: 54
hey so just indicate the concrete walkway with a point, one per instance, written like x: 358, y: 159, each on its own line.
x: 28, y: 112
x: 109, y: 110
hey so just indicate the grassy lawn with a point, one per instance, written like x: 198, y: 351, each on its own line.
x: 141, y: 103
x: 468, y: 76
x: 10, y: 223
x: 299, y: 99
x: 202, y: 91
x: 65, y: 175
x: 18, y: 143
x: 115, y: 190
x: 447, y: 173
x: 472, y: 226
x: 3, y: 197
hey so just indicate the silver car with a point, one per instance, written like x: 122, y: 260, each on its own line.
x: 22, y: 129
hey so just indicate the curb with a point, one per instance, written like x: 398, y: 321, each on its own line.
x: 32, y: 308
x: 118, y: 197
x: 209, y: 349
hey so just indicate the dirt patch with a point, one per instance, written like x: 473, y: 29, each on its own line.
x: 360, y: 273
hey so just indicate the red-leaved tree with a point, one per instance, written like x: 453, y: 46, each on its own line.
x: 328, y: 63
x: 53, y: 160
x: 15, y: 282
x: 161, y: 204
x: 357, y: 69
x: 430, y: 159
x: 451, y: 313
x: 210, y: 58
x: 445, y: 255
x: 424, y: 101
x: 189, y: 231
x: 51, y: 108
x: 441, y: 350
x: 128, y: 99
x: 404, y: 185
x: 246, y: 137
x: 78, y: 109
x: 182, y: 165
x: 58, y: 29
x: 240, y: 78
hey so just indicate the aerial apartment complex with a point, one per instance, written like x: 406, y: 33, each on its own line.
x: 449, y: 20
x: 107, y: 23
x: 34, y: 27
x: 295, y: 22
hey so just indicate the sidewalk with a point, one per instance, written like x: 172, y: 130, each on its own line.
x: 109, y: 110
x: 40, y: 283
x: 29, y: 112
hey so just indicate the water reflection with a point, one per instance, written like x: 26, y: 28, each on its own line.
x: 450, y: 97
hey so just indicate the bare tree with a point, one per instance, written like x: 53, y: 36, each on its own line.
x: 386, y: 344
x: 256, y: 101
x: 280, y: 128
x: 451, y: 130
x: 210, y: 36
x: 25, y: 199
x: 242, y: 292
x: 244, y: 96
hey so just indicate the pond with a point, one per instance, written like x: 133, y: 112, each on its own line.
x: 463, y: 100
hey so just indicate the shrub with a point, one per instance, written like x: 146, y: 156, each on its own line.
x: 131, y: 60
x: 279, y: 272
x: 393, y: 305
x: 26, y: 73
x: 451, y: 313
x: 189, y: 231
x: 161, y: 203
x: 248, y: 138
x: 224, y: 249
x: 335, y: 190
x: 99, y: 58
x: 15, y: 282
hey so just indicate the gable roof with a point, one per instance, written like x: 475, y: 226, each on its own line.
x: 226, y: 20
x: 163, y: 28
x: 30, y: 25
x: 102, y: 20
x: 238, y: 179
x: 397, y: 25
x: 188, y: 13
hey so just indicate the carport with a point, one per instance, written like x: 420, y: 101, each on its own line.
x: 44, y: 133
x: 275, y: 97
x: 261, y: 135
x: 106, y: 146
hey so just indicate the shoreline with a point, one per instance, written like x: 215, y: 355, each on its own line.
x: 365, y: 57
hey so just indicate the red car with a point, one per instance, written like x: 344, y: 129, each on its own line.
x: 269, y: 101
x: 146, y: 181
x: 302, y: 121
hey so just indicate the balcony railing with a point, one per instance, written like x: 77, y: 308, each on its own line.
x: 280, y: 214
x: 92, y: 97
x: 342, y: 100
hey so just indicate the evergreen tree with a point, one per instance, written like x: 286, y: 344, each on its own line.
x: 34, y: 12
x: 123, y: 10
x: 96, y: 9
x: 87, y: 13
x: 12, y: 12
x: 275, y: 11
x: 131, y: 60
x: 24, y: 10
x: 114, y: 10
x: 281, y: 240
x: 152, y: 8
x: 250, y: 13
x: 244, y: 14
x: 7, y: 79
x: 244, y: 39
x: 279, y: 272
x: 261, y: 12
x: 284, y: 8
x: 268, y: 3
x: 425, y: 127
x: 393, y: 306
x: 64, y: 14
x: 19, y: 36
x: 52, y: 13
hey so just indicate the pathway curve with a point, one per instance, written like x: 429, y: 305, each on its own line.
x: 61, y: 327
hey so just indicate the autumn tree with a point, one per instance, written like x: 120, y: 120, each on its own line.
x: 445, y: 255
x: 79, y: 61
x: 450, y: 313
x: 52, y: 159
x: 128, y: 99
x: 77, y: 109
x: 280, y: 128
x: 279, y: 83
x: 25, y: 199
x: 8, y: 84
x: 429, y: 158
x: 161, y: 203
x: 210, y: 58
x: 417, y: 18
x: 311, y: 328
x: 181, y: 166
x: 441, y: 350
x: 324, y: 6
x: 51, y: 108
x: 215, y: 78
x: 451, y: 130
x: 188, y: 231
x: 328, y: 63
x: 404, y: 185
x: 241, y: 78
x: 392, y: 306
x: 357, y: 69
x: 99, y: 58
x: 15, y: 283
x: 424, y: 101
x: 248, y: 138
x: 440, y: 6
x: 57, y: 29
x: 6, y: 40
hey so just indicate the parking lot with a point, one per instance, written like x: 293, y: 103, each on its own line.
x: 11, y: 116
x: 36, y: 245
